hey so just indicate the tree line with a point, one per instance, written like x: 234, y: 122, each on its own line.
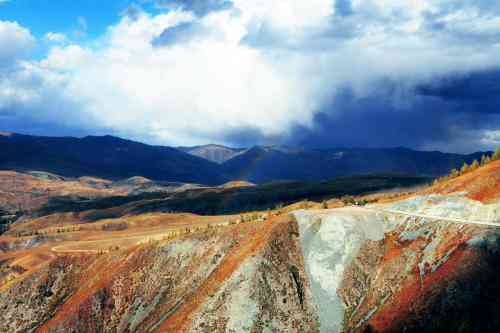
x: 466, y: 168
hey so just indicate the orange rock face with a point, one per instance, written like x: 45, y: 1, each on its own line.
x: 430, y: 277
x: 247, y: 276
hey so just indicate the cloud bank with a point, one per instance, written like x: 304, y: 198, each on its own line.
x: 423, y: 74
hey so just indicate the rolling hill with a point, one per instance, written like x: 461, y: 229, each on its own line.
x: 106, y: 157
x: 115, y: 158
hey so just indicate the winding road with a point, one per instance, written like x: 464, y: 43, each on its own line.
x: 431, y: 217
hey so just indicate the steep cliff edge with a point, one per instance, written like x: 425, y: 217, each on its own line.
x: 376, y: 271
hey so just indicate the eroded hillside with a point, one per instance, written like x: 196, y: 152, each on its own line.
x: 420, y: 262
x: 376, y: 270
x: 218, y: 276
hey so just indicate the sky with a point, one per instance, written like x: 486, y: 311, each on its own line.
x: 423, y: 74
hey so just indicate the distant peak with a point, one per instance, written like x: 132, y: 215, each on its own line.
x: 100, y: 137
x: 105, y: 138
x: 212, y: 146
x: 6, y: 133
x: 213, y: 152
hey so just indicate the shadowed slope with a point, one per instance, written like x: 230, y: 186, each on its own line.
x: 106, y: 156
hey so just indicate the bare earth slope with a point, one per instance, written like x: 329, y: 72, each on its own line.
x: 28, y: 191
x: 244, y: 277
x: 483, y: 184
x: 402, y: 273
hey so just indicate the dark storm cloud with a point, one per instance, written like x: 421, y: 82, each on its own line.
x: 248, y: 137
x: 452, y: 112
x: 373, y: 121
x: 476, y: 92
x: 28, y: 125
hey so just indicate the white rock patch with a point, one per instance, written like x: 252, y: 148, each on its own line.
x: 330, y: 240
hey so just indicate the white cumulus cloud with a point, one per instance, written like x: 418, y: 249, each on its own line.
x: 15, y: 42
x: 264, y: 65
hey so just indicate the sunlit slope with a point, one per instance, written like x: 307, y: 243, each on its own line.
x: 162, y: 274
x: 374, y: 271
x: 482, y: 184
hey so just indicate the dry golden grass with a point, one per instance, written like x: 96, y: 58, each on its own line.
x: 93, y: 238
x: 23, y: 191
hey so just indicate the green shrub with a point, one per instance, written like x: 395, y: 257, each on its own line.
x: 496, y: 154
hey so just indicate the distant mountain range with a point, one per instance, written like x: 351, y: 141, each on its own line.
x: 215, y: 153
x: 262, y: 164
x: 106, y: 157
x: 116, y: 158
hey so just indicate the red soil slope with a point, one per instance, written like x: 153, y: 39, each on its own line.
x: 161, y: 285
x: 442, y: 279
x: 482, y: 184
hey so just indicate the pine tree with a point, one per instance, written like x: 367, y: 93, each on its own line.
x: 474, y: 165
x: 483, y: 160
x: 465, y: 168
x: 496, y: 154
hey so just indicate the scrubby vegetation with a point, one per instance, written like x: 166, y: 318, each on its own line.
x: 115, y: 226
x: 273, y: 195
x: 496, y: 155
x: 349, y: 200
x: 466, y: 168
x: 215, y: 201
x: 7, y: 218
